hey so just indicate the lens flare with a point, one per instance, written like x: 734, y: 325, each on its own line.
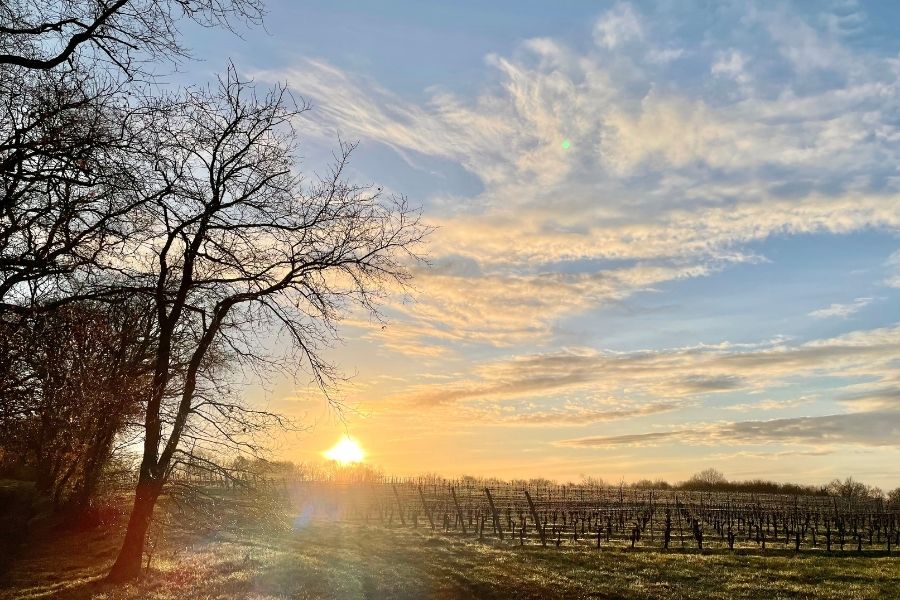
x: 566, y: 144
x: 346, y: 451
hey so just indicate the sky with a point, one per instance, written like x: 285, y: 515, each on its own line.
x: 666, y: 233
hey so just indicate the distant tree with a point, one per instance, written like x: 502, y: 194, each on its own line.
x: 849, y: 489
x: 239, y: 244
x: 893, y: 497
x: 593, y: 481
x: 541, y: 482
x: 647, y: 484
x: 710, y: 476
x: 707, y: 479
x: 760, y: 486
x: 256, y: 466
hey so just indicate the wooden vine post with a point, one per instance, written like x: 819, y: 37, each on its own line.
x: 459, y: 512
x: 399, y: 505
x: 537, y: 520
x: 497, y: 526
x: 425, y: 507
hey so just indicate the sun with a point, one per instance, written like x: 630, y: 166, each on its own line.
x: 347, y: 451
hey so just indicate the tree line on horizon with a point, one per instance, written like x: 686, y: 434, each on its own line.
x: 707, y: 480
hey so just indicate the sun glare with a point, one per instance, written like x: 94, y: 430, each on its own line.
x: 346, y: 451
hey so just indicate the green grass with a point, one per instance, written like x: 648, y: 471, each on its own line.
x: 352, y: 561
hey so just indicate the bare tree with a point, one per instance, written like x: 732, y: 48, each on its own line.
x: 893, y: 497
x: 68, y: 179
x: 122, y: 34
x: 242, y: 244
x: 73, y: 379
x: 707, y: 479
x: 852, y: 490
x: 75, y: 84
x: 190, y: 203
x: 76, y: 93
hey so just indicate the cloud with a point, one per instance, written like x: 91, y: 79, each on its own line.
x: 881, y: 395
x: 841, y: 310
x: 617, y: 26
x: 772, y: 404
x: 876, y: 429
x: 509, y: 133
x: 677, y: 374
x: 635, y: 439
x: 606, y: 232
x: 893, y: 268
x: 576, y: 416
x: 507, y: 309
x: 806, y: 48
x: 667, y: 177
x: 664, y: 56
x: 731, y: 64
x: 688, y: 155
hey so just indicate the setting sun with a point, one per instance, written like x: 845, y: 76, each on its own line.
x: 346, y: 451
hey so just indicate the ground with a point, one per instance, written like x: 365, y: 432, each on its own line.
x: 324, y: 560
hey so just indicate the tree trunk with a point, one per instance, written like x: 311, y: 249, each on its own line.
x: 128, y: 563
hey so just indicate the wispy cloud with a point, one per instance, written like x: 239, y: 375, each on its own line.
x: 841, y: 310
x: 864, y: 429
x: 893, y: 268
x: 577, y: 416
x: 673, y: 373
x: 617, y: 26
x: 772, y: 404
x: 731, y: 64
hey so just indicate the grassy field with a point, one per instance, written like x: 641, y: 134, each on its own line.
x: 350, y: 561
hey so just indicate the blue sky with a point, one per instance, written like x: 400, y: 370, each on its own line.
x: 708, y: 275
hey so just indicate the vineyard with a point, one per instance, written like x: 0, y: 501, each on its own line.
x: 285, y: 537
x: 600, y: 517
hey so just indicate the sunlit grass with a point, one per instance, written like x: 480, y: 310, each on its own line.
x: 352, y: 561
x: 248, y: 550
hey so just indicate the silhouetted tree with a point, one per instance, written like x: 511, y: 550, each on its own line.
x: 74, y: 93
x: 188, y: 203
x: 69, y: 177
x: 72, y: 380
x: 76, y: 96
x: 239, y: 244
x: 106, y: 34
